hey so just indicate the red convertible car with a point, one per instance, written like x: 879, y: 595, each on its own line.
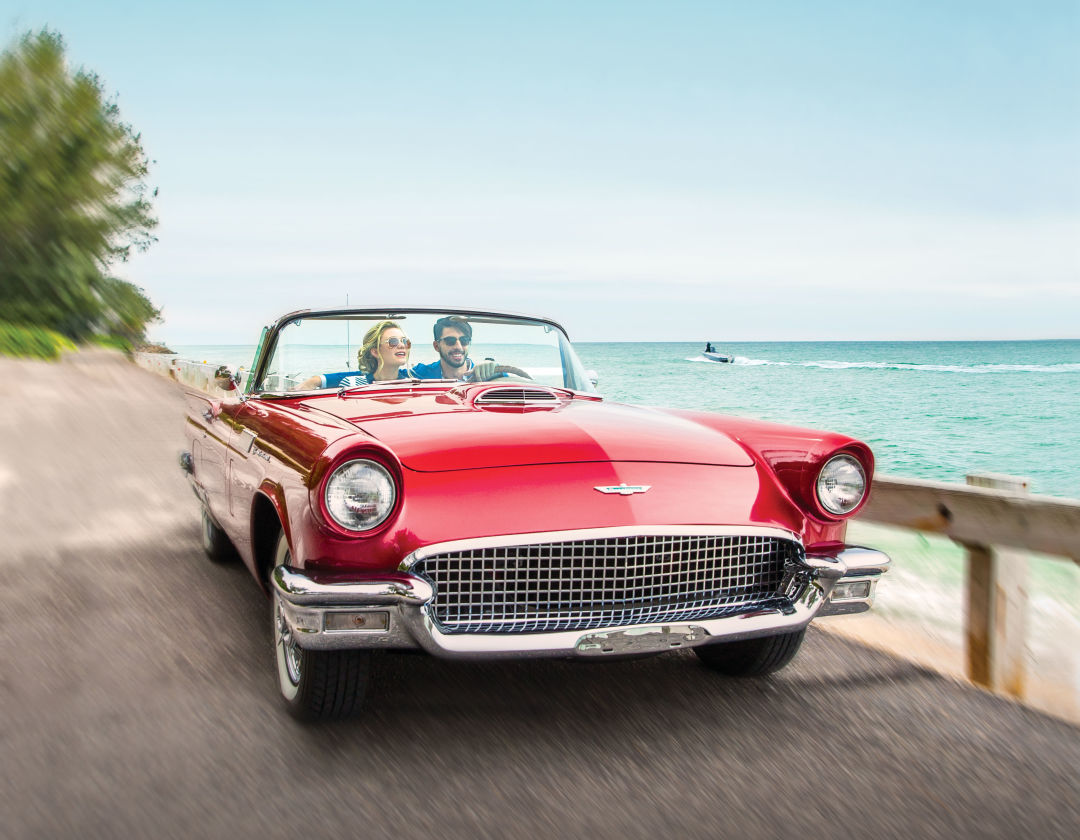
x: 450, y: 481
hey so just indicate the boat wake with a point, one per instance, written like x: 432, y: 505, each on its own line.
x: 736, y: 361
x: 828, y: 364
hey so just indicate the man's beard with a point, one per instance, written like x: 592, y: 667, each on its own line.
x: 448, y: 361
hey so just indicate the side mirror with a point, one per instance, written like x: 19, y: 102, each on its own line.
x: 224, y: 379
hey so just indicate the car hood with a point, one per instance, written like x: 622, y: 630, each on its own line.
x: 437, y: 432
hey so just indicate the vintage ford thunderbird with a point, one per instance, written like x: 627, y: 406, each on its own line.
x: 451, y: 481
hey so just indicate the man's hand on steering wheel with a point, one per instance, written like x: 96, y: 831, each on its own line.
x: 490, y: 369
x: 483, y: 371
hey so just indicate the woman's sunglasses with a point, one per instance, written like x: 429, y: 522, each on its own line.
x: 395, y: 341
x: 452, y: 340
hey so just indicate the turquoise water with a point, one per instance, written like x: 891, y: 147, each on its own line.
x: 935, y: 410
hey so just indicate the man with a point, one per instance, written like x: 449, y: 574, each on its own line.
x: 453, y: 335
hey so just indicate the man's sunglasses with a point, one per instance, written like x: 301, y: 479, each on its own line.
x: 452, y: 340
x: 395, y: 341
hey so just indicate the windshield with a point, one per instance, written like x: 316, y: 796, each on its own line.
x: 361, y: 348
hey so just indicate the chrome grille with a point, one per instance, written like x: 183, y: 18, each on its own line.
x: 583, y: 584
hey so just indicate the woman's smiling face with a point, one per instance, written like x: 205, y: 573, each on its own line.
x: 393, y: 349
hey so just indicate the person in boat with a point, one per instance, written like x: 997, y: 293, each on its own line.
x: 709, y: 347
x: 383, y: 355
x: 453, y: 335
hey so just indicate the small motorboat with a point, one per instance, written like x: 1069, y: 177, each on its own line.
x: 717, y: 357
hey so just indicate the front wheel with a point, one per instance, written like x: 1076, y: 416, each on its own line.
x: 751, y: 657
x: 316, y: 684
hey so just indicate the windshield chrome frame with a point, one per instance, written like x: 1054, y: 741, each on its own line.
x: 270, y: 340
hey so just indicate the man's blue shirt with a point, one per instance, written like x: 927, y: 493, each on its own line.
x: 432, y: 370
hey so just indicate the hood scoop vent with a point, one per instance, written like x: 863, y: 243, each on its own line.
x: 517, y: 397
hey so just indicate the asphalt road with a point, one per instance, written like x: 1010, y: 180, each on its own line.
x: 138, y: 696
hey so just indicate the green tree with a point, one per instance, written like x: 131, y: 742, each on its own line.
x: 73, y: 201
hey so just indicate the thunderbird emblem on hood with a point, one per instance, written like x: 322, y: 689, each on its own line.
x: 624, y: 489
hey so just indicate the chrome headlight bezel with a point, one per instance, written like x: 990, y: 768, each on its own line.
x: 359, y: 495
x: 841, y: 485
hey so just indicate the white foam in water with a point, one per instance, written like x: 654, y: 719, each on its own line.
x: 742, y: 360
x: 737, y: 360
x: 829, y: 364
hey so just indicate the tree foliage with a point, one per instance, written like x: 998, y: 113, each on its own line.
x: 73, y: 201
x: 32, y: 342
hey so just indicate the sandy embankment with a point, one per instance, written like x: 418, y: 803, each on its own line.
x: 61, y: 427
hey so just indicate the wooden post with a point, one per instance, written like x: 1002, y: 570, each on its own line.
x: 997, y: 605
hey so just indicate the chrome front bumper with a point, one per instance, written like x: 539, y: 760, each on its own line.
x: 392, y: 612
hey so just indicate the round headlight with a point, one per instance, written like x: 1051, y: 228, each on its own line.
x: 841, y: 485
x: 360, y: 495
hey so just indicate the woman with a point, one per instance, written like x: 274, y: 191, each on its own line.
x: 384, y: 352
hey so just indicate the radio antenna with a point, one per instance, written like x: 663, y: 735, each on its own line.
x: 348, y: 340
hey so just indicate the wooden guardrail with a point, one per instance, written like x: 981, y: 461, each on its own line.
x: 998, y: 522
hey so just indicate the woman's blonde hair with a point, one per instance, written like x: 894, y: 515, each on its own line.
x: 368, y: 363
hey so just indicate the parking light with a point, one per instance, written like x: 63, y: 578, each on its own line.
x: 367, y: 620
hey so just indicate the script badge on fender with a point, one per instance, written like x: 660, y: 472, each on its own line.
x: 624, y: 489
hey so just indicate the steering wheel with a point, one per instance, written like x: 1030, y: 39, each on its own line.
x: 511, y: 369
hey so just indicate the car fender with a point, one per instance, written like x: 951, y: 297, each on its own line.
x: 268, y: 503
x: 794, y: 455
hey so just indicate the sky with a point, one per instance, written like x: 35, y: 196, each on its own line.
x: 634, y: 170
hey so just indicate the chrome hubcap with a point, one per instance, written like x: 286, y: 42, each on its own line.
x: 290, y: 651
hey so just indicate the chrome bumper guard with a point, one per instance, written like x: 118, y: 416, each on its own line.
x: 855, y: 572
x: 392, y: 612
